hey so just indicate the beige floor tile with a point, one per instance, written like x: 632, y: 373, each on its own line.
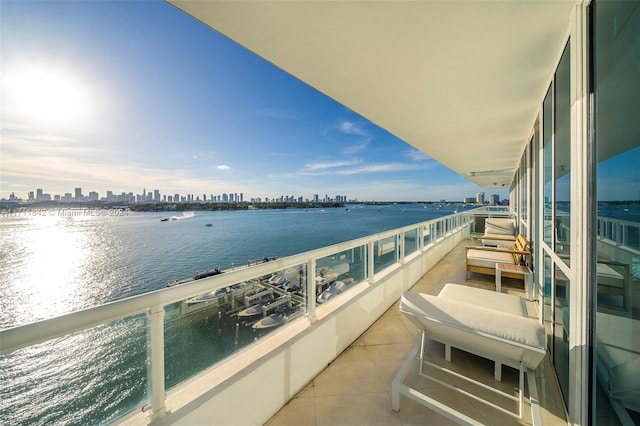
x: 388, y: 329
x: 351, y: 374
x: 413, y: 414
x: 298, y: 412
x: 361, y: 409
x: 307, y: 392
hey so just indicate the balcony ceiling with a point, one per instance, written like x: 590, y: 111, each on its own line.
x: 459, y: 80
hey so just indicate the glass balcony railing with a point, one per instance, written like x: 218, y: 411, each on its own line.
x: 141, y: 346
x: 621, y: 233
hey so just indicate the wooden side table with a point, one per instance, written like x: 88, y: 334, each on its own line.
x: 515, y: 269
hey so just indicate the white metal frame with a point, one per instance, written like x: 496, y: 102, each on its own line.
x: 398, y: 387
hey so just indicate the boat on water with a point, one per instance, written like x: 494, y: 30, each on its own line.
x: 282, y: 314
x: 198, y: 276
x: 166, y: 219
x: 213, y: 295
x: 258, y: 308
x: 334, y: 289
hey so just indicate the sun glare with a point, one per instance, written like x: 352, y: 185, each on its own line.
x: 48, y: 96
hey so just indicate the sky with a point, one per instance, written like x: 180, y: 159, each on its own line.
x: 132, y: 95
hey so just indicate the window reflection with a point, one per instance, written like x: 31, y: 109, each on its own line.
x: 562, y: 160
x: 617, y: 271
x: 547, y: 149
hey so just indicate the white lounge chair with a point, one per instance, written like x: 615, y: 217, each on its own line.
x: 498, y: 231
x: 492, y: 325
x: 618, y: 361
x: 483, y: 260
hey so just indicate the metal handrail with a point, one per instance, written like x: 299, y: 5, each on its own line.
x: 21, y: 336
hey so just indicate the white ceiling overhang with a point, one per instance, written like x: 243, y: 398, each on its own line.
x: 461, y: 81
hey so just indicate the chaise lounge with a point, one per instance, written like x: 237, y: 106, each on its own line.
x: 483, y: 260
x: 492, y: 325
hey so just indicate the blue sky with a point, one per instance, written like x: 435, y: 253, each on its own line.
x: 133, y: 95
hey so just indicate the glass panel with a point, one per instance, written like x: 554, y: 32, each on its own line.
x: 524, y: 198
x: 547, y: 152
x: 562, y: 161
x: 91, y: 377
x: 410, y: 241
x: 548, y: 298
x: 478, y: 224
x: 616, y: 356
x: 561, y: 330
x: 426, y: 235
x: 438, y: 226
x: 205, y: 329
x: 337, y: 273
x: 384, y: 253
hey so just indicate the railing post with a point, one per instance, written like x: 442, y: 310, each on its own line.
x: 311, y: 290
x: 370, y: 268
x: 156, y: 358
x: 401, y: 246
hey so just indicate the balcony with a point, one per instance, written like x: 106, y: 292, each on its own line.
x: 355, y: 388
x: 359, y: 330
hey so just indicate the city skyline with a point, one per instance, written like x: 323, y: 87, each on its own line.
x: 156, y: 195
x: 110, y: 93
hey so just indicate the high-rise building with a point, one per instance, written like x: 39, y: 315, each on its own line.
x: 480, y: 198
x: 38, y: 194
x: 78, y: 194
x: 494, y: 199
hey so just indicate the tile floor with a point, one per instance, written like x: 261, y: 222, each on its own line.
x: 355, y: 389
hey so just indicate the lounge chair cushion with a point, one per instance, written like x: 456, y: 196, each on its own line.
x: 617, y: 343
x: 499, y: 227
x: 608, y: 276
x: 497, y: 230
x: 625, y: 381
x: 487, y: 258
x: 496, y: 301
x: 486, y: 330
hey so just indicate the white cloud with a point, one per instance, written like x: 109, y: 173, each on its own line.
x: 223, y: 167
x: 58, y: 164
x: 352, y: 128
x: 383, y: 167
x: 416, y: 155
x: 329, y: 165
x: 358, y: 147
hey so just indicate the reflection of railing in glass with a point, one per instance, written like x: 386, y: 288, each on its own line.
x: 622, y: 233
